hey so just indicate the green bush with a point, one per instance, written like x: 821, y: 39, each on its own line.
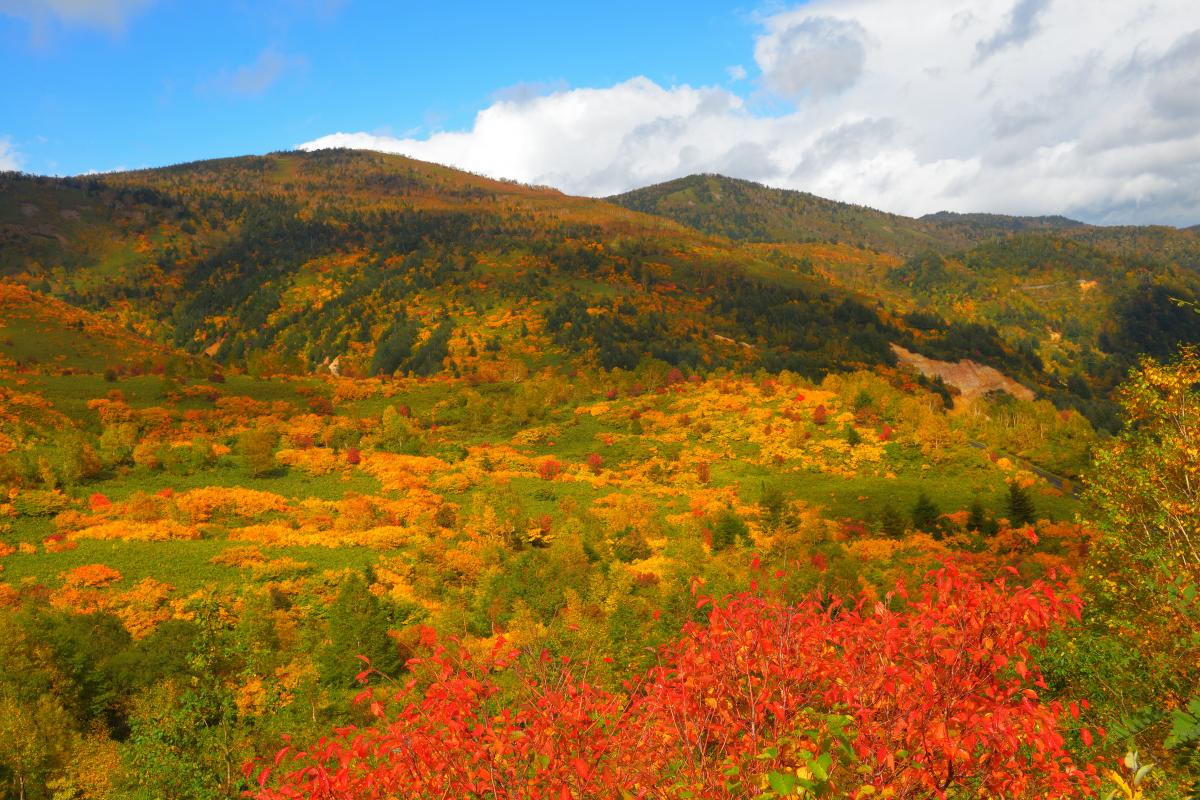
x: 40, y: 503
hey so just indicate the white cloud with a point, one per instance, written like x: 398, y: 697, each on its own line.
x: 250, y: 80
x: 811, y: 55
x: 528, y: 90
x: 736, y: 72
x: 1027, y: 107
x: 10, y: 160
x: 110, y: 14
x: 1020, y: 26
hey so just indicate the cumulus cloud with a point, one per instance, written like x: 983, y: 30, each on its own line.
x: 10, y: 160
x: 250, y: 80
x: 110, y: 14
x: 811, y: 56
x: 972, y: 105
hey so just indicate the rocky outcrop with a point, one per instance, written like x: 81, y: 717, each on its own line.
x: 971, y: 379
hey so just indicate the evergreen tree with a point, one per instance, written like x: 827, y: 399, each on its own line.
x: 729, y: 528
x: 977, y: 518
x: 427, y: 358
x: 891, y: 523
x: 394, y: 347
x: 1021, y: 510
x: 358, y: 625
x: 925, y: 514
x: 773, y: 503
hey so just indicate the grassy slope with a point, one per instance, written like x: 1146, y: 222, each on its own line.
x: 44, y: 334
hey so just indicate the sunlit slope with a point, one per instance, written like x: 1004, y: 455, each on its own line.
x: 43, y: 335
x: 309, y: 258
x: 373, y: 262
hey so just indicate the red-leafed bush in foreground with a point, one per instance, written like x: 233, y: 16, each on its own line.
x: 933, y: 698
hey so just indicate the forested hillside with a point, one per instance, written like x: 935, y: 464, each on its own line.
x: 1077, y: 302
x: 293, y: 260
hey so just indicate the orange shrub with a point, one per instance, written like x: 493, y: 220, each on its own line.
x: 126, y: 530
x: 92, y: 576
x: 201, y: 504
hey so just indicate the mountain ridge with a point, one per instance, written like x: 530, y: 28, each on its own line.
x: 290, y: 260
x: 790, y: 215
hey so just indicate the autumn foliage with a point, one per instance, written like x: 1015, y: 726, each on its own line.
x: 929, y: 695
x: 549, y: 469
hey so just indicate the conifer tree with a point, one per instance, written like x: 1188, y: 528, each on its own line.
x: 891, y: 523
x: 977, y: 517
x: 925, y: 514
x: 728, y: 529
x: 1021, y: 510
x: 773, y: 503
x: 358, y: 625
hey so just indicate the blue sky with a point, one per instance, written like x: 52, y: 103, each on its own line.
x: 1085, y: 108
x: 176, y: 81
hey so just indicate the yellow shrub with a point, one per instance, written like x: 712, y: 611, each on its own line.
x: 200, y: 504
x: 159, y: 531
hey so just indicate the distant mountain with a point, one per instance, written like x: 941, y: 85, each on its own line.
x: 989, y: 224
x: 747, y: 211
x: 292, y: 261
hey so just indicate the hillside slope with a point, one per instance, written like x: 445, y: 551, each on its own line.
x: 292, y: 262
x: 1078, y: 301
x: 749, y: 211
x: 43, y: 335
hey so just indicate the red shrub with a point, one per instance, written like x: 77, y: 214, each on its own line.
x: 820, y: 415
x: 936, y: 699
x: 549, y: 469
x: 321, y: 405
